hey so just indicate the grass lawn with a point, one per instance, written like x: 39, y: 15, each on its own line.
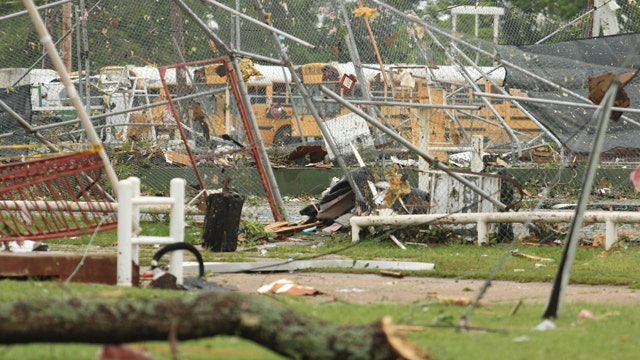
x: 496, y: 333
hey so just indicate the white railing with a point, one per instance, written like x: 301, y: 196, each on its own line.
x: 129, y: 239
x: 610, y: 218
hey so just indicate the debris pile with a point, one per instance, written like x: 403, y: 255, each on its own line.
x: 340, y: 202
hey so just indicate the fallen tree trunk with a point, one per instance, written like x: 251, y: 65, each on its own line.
x: 125, y: 320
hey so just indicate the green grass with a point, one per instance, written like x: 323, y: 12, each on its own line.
x: 499, y: 335
x: 454, y: 260
x: 495, y: 333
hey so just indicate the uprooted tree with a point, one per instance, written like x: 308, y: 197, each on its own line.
x: 273, y: 325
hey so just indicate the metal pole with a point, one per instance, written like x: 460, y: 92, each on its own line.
x: 570, y: 23
x: 261, y: 156
x: 406, y: 104
x: 355, y: 57
x: 564, y: 267
x: 475, y: 87
x: 125, y: 233
x: 43, y: 7
x: 79, y: 49
x: 237, y: 25
x: 559, y: 102
x: 481, y: 51
x: 314, y: 112
x: 85, y: 47
x: 46, y: 40
x: 504, y: 92
x: 433, y: 162
x: 261, y: 24
x: 375, y: 47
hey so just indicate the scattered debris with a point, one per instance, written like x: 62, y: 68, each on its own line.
x: 280, y: 265
x: 600, y: 239
x: 516, y: 307
x: 585, y: 314
x: 307, y: 154
x: 285, y: 286
x: 165, y: 280
x: 351, y: 290
x: 310, y: 229
x: 545, y: 325
x: 122, y: 352
x: 532, y: 257
x: 393, y: 274
x: 338, y: 203
x: 395, y: 240
x: 283, y: 228
x: 23, y: 246
x: 332, y: 228
x: 522, y: 338
x: 598, y: 86
x: 455, y: 300
x: 398, y: 186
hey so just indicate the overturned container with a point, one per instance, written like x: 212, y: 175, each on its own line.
x: 222, y: 220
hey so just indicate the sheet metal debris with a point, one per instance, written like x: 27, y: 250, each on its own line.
x: 274, y: 265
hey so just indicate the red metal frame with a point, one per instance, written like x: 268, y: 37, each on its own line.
x: 242, y: 108
x: 37, y: 197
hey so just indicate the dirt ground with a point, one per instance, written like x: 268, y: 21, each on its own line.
x: 371, y: 288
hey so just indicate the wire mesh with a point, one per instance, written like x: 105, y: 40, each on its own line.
x: 453, y: 80
x: 54, y: 197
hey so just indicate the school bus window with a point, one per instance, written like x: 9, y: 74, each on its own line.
x: 279, y: 92
x: 494, y: 90
x: 257, y: 94
x: 377, y: 88
x: 199, y: 75
x: 213, y: 104
x: 326, y: 109
x: 330, y: 73
x: 460, y: 96
x: 475, y: 100
x: 356, y: 92
x: 298, y: 102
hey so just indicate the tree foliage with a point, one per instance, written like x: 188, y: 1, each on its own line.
x: 123, y: 32
x: 553, y: 9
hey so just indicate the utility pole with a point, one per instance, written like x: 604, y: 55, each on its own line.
x: 590, y: 5
x: 66, y: 43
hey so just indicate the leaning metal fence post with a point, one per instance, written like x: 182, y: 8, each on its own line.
x: 562, y: 276
x: 314, y: 111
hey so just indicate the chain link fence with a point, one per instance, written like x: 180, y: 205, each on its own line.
x: 501, y: 95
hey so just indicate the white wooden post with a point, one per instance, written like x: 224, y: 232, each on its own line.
x: 176, y: 226
x: 129, y: 240
x: 477, y: 163
x: 125, y: 226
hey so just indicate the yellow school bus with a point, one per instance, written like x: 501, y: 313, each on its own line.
x: 268, y: 97
x: 284, y: 118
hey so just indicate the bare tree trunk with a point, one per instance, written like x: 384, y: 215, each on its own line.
x: 123, y: 320
x: 66, y: 43
x: 177, y: 34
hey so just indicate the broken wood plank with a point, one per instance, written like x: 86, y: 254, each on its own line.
x: 275, y: 225
x: 176, y: 157
x: 280, y: 230
x: 394, y: 274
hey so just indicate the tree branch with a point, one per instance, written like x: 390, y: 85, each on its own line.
x: 122, y: 320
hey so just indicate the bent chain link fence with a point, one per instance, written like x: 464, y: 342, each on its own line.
x: 451, y: 78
